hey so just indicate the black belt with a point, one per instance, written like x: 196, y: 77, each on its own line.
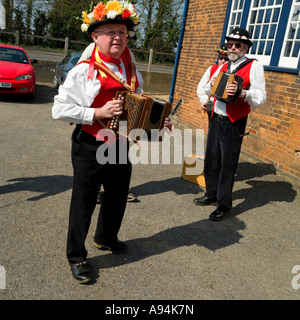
x: 80, y: 135
x: 221, y: 118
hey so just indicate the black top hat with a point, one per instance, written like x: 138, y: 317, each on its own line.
x: 240, y: 34
x: 223, y: 48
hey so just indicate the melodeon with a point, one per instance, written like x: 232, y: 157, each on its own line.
x: 220, y: 86
x: 141, y: 112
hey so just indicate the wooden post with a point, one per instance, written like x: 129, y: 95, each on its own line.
x: 17, y: 37
x: 66, y: 46
x: 150, y: 59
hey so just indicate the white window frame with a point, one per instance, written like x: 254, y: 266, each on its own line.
x: 262, y: 58
x: 276, y: 59
x: 291, y: 61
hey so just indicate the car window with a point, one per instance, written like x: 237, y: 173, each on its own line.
x: 66, y: 59
x: 13, y: 55
x: 74, y: 61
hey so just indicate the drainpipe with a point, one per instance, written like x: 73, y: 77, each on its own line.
x: 182, y: 29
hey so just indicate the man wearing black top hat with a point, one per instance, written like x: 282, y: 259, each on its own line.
x: 228, y: 123
x: 205, y: 100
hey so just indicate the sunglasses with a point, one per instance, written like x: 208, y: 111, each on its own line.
x: 238, y: 45
x: 223, y: 58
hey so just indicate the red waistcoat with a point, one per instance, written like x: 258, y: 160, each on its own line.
x: 241, y: 108
x: 107, y: 92
x: 213, y: 69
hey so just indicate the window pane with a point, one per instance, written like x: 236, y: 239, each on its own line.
x: 278, y: 1
x: 261, y: 47
x: 296, y: 14
x: 296, y: 49
x: 272, y: 31
x: 257, y: 32
x: 260, y: 16
x: 270, y: 2
x: 241, y: 4
x: 238, y: 20
x: 253, y: 17
x: 233, y: 19
x: 255, y: 4
x: 291, y: 33
x: 269, y: 48
x: 268, y: 15
x: 263, y: 3
x: 288, y: 48
x: 298, y: 34
x: 276, y: 15
x: 236, y: 2
x: 251, y: 31
x: 254, y: 47
x: 265, y: 31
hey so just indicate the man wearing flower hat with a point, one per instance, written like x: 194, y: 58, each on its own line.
x: 228, y: 123
x: 86, y: 96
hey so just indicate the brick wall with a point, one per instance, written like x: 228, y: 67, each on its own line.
x: 274, y: 127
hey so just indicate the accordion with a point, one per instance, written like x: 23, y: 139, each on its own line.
x: 139, y: 112
x: 220, y: 86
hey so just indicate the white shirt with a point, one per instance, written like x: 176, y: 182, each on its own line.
x: 77, y: 93
x: 255, y: 96
x: 203, y: 97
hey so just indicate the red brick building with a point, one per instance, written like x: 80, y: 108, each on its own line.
x: 274, y: 27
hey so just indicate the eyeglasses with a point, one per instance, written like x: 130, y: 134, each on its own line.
x: 113, y: 34
x: 238, y: 45
x: 223, y: 58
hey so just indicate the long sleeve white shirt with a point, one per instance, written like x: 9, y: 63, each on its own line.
x: 203, y: 97
x: 77, y: 93
x: 255, y: 96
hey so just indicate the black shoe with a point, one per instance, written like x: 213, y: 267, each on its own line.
x: 81, y: 272
x: 205, y: 201
x: 114, y: 246
x: 218, y: 215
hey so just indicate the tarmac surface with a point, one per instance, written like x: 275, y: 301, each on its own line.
x: 175, y: 251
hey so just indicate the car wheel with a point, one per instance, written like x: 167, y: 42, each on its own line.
x: 55, y: 82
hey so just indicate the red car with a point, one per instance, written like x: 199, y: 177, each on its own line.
x: 17, y: 73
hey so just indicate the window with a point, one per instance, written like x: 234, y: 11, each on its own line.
x: 236, y: 15
x: 291, y: 45
x: 274, y: 28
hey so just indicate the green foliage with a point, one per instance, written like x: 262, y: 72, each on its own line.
x: 159, y: 26
x: 62, y: 19
x: 40, y: 27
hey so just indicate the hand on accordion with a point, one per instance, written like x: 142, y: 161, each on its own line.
x: 231, y: 88
x: 169, y: 124
x: 213, y: 80
x: 109, y: 110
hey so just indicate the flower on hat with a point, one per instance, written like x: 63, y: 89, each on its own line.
x: 126, y: 14
x: 85, y: 18
x: 114, y: 5
x: 112, y: 9
x: 99, y: 11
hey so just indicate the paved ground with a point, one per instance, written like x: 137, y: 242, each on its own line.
x: 176, y: 252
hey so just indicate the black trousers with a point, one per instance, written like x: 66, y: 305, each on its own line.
x: 89, y: 175
x: 221, y: 159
